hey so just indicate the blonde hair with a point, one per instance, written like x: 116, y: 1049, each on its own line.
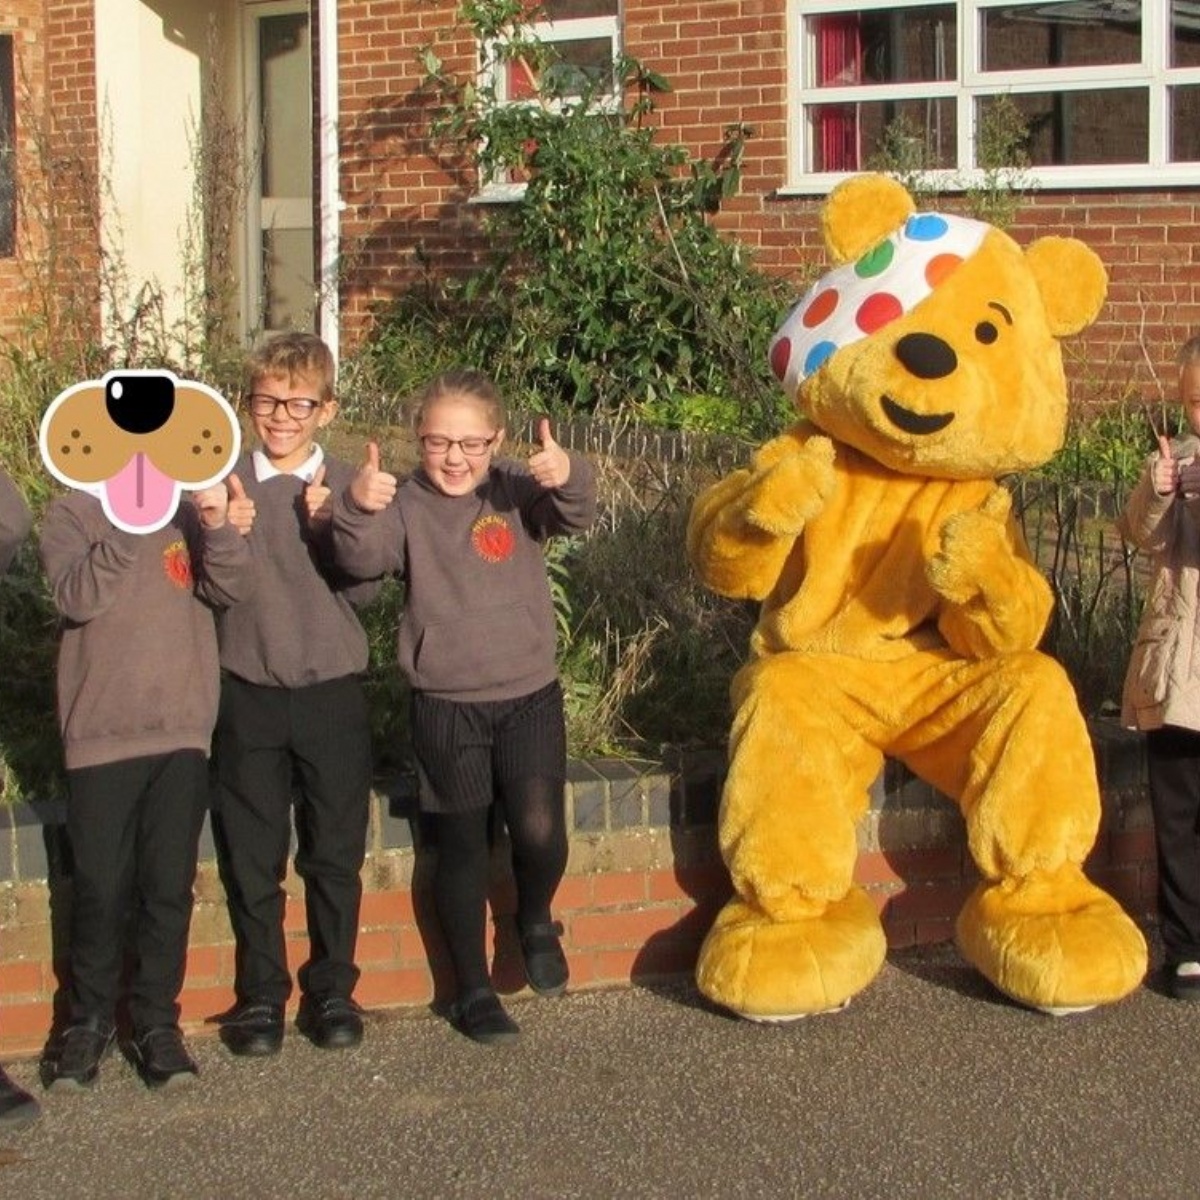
x: 462, y: 382
x: 1189, y: 352
x: 293, y: 354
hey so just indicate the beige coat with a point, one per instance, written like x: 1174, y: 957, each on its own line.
x: 1162, y: 684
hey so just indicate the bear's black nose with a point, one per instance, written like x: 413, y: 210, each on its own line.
x: 140, y: 403
x: 926, y: 356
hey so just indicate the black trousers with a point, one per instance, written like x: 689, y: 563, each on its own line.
x: 1173, y: 759
x: 134, y: 827
x: 279, y: 748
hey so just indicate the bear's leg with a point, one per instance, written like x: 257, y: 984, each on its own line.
x: 1020, y: 761
x: 798, y: 937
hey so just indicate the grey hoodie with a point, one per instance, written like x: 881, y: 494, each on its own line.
x: 478, y: 620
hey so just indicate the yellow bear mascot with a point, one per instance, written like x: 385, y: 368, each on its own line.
x: 901, y: 614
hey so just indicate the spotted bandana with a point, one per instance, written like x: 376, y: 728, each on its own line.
x: 856, y: 299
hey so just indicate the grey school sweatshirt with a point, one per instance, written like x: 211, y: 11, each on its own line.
x: 298, y: 625
x: 15, y: 520
x: 478, y: 620
x: 137, y: 659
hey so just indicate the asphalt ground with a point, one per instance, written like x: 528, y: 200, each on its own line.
x: 930, y: 1084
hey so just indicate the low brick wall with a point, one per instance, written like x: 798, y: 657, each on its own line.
x: 643, y: 883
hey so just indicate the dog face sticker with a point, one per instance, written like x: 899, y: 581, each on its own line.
x: 136, y: 439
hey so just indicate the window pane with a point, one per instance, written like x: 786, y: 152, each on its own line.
x: 1067, y: 34
x: 570, y: 10
x: 288, y: 279
x: 1185, y: 34
x: 905, y: 45
x: 575, y: 68
x: 1185, y: 124
x: 1104, y: 125
x: 284, y: 67
x: 847, y: 137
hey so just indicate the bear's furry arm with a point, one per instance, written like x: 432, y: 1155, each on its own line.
x: 995, y: 600
x: 742, y: 529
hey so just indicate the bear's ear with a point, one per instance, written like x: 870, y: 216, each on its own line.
x: 861, y: 212
x: 1072, y: 281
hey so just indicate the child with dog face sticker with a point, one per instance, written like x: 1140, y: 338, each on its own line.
x: 292, y: 708
x: 138, y: 685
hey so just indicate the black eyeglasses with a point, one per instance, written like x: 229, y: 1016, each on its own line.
x: 472, y: 447
x: 299, y: 408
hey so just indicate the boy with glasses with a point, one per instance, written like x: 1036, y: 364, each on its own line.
x: 293, y: 731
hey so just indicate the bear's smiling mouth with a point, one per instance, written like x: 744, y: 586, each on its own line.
x: 911, y: 422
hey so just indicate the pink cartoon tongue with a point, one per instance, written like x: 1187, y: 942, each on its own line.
x: 140, y: 495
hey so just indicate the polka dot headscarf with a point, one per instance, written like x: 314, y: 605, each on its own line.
x: 856, y: 299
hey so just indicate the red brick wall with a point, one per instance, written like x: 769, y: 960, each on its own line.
x: 53, y: 277
x: 407, y: 205
x: 23, y: 19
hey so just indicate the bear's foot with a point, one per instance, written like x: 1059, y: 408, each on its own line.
x: 1052, y: 940
x: 767, y: 970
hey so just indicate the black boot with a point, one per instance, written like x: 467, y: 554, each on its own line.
x: 17, y: 1107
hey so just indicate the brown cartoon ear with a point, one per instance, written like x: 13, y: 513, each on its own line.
x: 199, y: 441
x: 1072, y: 281
x: 861, y: 212
x: 80, y: 443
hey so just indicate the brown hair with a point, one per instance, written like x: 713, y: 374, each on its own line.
x: 462, y: 381
x: 293, y: 354
x: 1189, y: 352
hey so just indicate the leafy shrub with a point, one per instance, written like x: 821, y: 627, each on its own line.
x: 605, y: 288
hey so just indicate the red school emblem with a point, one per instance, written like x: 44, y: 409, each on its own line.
x: 177, y: 564
x: 492, y: 538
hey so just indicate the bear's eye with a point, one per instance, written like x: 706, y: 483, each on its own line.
x: 986, y: 332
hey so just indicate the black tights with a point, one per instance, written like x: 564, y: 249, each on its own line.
x: 533, y: 812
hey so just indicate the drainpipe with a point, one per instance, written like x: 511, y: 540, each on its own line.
x: 327, y: 143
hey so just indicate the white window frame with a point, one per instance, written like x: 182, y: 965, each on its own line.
x: 970, y: 84
x: 491, y: 72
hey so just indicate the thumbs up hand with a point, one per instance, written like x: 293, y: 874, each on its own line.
x: 373, y: 488
x: 1164, y: 473
x: 318, y: 501
x: 212, y: 503
x: 550, y: 465
x: 240, y: 513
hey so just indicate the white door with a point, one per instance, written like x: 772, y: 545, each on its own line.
x: 280, y: 269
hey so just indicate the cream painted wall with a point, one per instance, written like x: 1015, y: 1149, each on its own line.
x: 148, y: 87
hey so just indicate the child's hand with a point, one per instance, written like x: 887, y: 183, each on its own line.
x: 1189, y: 478
x: 241, y: 507
x: 551, y: 465
x: 318, y: 502
x: 1164, y: 473
x: 372, y: 489
x: 213, y: 505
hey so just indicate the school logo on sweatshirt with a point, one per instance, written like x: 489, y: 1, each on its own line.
x: 492, y: 538
x: 177, y: 564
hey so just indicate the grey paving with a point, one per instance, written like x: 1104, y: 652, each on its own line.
x: 928, y: 1085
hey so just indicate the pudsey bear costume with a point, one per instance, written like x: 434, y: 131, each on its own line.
x: 901, y: 614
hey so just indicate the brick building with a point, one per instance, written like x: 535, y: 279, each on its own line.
x: 108, y: 111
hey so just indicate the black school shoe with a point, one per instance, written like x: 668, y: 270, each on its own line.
x: 17, y: 1107
x: 1183, y: 981
x: 162, y: 1059
x: 253, y: 1029
x: 330, y: 1022
x: 84, y: 1046
x: 545, y: 963
x: 480, y: 1016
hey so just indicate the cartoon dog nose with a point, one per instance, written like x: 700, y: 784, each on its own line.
x: 140, y: 404
x: 926, y: 356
